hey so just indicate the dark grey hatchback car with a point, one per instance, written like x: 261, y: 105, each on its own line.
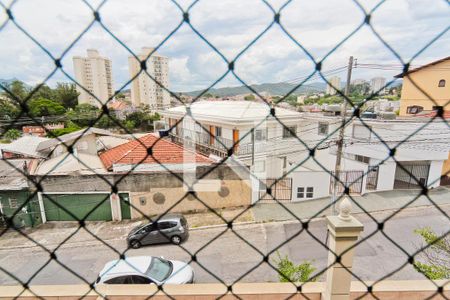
x: 171, y: 228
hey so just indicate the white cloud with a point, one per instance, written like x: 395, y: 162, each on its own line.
x: 230, y: 25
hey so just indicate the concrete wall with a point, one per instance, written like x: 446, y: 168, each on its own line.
x: 389, y: 290
x: 229, y: 193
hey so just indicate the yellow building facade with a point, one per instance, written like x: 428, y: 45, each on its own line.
x: 431, y: 81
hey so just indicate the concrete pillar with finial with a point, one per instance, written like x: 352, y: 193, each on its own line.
x: 344, y: 231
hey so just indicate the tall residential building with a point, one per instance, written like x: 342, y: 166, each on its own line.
x: 144, y: 90
x: 377, y: 85
x: 334, y: 82
x: 95, y: 75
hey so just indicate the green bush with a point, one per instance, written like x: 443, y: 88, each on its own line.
x: 436, y: 256
x: 290, y: 272
x: 12, y: 134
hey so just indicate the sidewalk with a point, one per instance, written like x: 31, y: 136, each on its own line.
x: 371, y: 202
x: 52, y: 234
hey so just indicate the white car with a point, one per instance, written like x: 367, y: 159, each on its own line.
x: 145, y: 270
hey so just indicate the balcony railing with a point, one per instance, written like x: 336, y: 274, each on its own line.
x: 207, y: 144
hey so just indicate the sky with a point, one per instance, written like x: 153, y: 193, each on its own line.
x: 407, y: 26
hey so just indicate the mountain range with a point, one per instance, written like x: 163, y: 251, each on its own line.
x: 281, y: 88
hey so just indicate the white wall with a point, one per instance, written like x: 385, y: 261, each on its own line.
x: 435, y: 173
x: 320, y: 181
x: 386, y: 176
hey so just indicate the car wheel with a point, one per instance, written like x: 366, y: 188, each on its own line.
x: 135, y: 244
x: 175, y: 239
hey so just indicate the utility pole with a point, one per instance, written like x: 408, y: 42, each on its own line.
x: 340, y: 141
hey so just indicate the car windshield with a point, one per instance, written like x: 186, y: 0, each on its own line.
x: 159, y: 269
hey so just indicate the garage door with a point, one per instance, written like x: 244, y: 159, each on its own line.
x: 74, y: 207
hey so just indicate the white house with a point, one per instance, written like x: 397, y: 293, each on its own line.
x: 278, y: 149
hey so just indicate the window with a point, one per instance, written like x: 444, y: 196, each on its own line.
x: 438, y: 108
x: 136, y: 279
x: 441, y: 83
x: 362, y: 158
x: 119, y: 280
x: 309, y: 192
x: 166, y: 224
x: 415, y: 109
x: 305, y: 192
x: 260, y: 134
x: 218, y: 131
x: 289, y: 131
x: 323, y: 128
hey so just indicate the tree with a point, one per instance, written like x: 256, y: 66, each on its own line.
x: 18, y: 89
x: 85, y: 108
x: 70, y: 127
x: 208, y: 95
x: 7, y: 109
x: 66, y: 94
x: 289, y: 272
x: 436, y: 257
x: 45, y: 107
x: 12, y: 134
x: 106, y: 121
x: 250, y: 97
x: 43, y: 91
x: 359, y: 89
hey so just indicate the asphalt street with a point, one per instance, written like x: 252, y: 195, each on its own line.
x: 227, y: 255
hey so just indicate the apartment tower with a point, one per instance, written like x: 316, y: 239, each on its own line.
x: 144, y: 90
x: 94, y: 73
x: 334, y: 82
x: 377, y: 85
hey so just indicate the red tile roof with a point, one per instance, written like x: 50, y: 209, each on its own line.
x: 135, y: 152
x: 117, y: 105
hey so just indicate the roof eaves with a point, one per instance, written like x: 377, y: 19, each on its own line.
x: 403, y: 74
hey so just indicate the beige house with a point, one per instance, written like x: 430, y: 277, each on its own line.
x: 144, y: 89
x: 426, y: 88
x: 94, y: 73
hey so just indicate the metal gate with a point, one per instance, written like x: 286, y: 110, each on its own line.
x: 73, y: 207
x: 411, y: 175
x: 279, y: 190
x: 372, y: 178
x: 351, y: 179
